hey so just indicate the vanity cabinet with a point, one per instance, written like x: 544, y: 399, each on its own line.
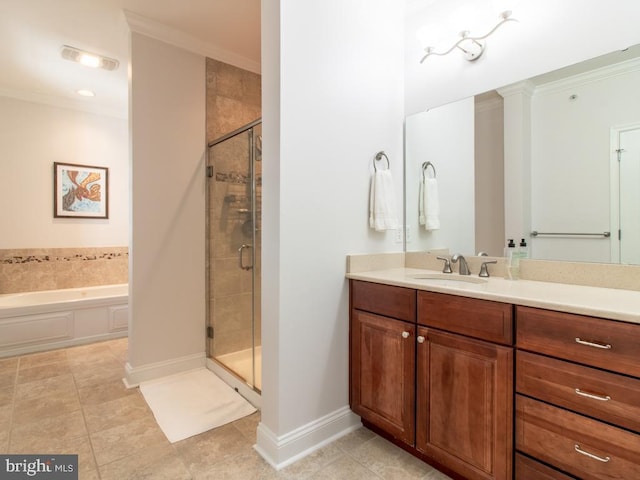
x: 578, y: 395
x: 464, y: 415
x: 435, y: 373
x: 382, y: 357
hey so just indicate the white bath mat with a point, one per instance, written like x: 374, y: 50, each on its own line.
x: 193, y: 402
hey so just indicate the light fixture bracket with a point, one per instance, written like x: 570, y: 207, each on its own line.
x: 472, y: 46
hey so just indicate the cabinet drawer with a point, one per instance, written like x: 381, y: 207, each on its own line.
x: 529, y: 469
x: 578, y: 445
x: 607, y: 396
x: 483, y: 319
x: 593, y: 341
x: 387, y: 300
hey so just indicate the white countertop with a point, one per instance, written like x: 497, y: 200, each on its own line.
x: 615, y: 304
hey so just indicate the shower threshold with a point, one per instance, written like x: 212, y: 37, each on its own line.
x: 239, y: 364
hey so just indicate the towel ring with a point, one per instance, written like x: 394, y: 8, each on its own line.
x: 378, y: 157
x: 426, y: 165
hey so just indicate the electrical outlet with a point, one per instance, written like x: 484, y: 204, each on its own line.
x: 399, y: 232
x: 407, y: 232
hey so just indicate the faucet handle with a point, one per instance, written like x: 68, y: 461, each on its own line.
x: 447, y: 265
x: 484, y: 272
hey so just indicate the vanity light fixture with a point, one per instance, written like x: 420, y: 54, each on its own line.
x: 88, y: 59
x: 472, y: 46
x: 85, y: 92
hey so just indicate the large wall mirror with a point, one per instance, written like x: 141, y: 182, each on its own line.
x: 553, y: 159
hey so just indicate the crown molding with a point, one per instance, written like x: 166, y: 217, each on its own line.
x: 150, y: 28
x: 64, y: 102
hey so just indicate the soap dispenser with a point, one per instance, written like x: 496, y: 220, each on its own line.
x: 524, y: 250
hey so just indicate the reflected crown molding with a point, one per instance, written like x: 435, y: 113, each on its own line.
x: 590, y: 76
x: 526, y: 87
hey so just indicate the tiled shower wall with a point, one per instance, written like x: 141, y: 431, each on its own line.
x: 233, y: 101
x: 33, y: 269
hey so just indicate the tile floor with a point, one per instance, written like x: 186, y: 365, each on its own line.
x: 73, y: 401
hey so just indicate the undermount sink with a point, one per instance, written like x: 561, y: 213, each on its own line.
x: 450, y: 279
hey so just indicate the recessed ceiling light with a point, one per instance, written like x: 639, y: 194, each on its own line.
x: 85, y: 93
x: 88, y: 59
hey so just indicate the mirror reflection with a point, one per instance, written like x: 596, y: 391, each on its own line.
x: 554, y: 159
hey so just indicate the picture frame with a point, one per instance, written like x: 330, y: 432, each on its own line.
x: 80, y: 191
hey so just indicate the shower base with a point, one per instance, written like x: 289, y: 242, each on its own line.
x: 240, y: 363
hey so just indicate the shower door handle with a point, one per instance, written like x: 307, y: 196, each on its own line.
x: 241, y: 258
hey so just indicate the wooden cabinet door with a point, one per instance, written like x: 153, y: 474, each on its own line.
x: 464, y: 414
x: 382, y: 358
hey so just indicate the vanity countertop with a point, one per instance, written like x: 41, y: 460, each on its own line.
x: 615, y: 304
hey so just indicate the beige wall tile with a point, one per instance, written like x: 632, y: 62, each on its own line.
x: 26, y: 270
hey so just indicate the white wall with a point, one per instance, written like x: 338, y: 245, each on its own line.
x: 333, y: 98
x: 32, y: 137
x: 445, y: 137
x: 167, y: 262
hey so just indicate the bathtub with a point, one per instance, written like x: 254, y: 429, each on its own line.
x: 36, y: 321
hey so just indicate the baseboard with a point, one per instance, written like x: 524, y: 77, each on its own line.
x: 283, y: 450
x: 135, y: 376
x: 44, y: 347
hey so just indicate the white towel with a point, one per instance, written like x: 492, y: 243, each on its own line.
x: 382, y: 202
x: 429, y: 205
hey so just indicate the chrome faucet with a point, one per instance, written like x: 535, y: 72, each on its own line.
x: 464, y: 268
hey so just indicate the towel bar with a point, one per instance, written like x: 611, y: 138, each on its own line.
x: 602, y: 234
x: 378, y: 157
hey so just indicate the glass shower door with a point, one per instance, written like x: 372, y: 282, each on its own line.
x: 234, y: 206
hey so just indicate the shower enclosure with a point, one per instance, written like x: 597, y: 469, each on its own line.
x: 233, y: 222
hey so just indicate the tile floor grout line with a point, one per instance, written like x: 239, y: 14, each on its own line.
x: 86, y: 426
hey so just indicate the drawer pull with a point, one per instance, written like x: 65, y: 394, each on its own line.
x: 591, y: 455
x: 604, y: 346
x: 602, y: 398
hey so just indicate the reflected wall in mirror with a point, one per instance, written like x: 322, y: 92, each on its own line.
x: 558, y: 154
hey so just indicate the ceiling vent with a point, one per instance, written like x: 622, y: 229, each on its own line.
x: 88, y: 59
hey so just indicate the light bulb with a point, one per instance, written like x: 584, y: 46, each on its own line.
x: 89, y: 60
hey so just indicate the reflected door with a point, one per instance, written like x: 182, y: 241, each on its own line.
x: 629, y: 159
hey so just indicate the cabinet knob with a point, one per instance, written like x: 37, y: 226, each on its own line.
x: 405, y: 334
x: 420, y: 339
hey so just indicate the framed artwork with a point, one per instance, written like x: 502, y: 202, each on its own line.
x: 80, y: 191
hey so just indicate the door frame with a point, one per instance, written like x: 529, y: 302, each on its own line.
x: 614, y: 190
